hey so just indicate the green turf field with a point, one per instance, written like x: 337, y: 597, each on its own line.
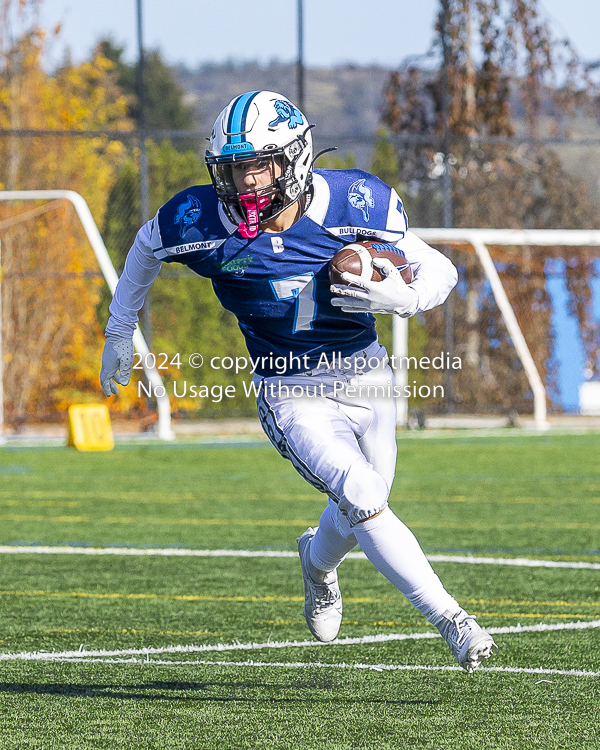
x: 177, y: 651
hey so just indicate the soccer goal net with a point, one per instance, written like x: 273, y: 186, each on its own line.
x: 55, y: 284
x: 521, y: 333
x: 519, y: 338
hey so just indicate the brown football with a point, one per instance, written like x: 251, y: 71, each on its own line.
x: 356, y: 258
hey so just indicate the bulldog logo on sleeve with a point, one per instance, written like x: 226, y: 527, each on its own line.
x: 360, y: 196
x: 187, y: 215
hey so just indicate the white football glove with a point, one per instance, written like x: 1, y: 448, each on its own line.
x: 390, y: 295
x: 117, y: 359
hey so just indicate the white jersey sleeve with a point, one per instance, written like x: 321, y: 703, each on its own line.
x: 434, y: 274
x: 141, y: 269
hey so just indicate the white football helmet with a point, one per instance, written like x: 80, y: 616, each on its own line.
x: 260, y: 125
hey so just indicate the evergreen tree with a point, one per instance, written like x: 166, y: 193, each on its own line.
x: 165, y: 107
x: 384, y: 163
x: 170, y: 172
x: 337, y: 161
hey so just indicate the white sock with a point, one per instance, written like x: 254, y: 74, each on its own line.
x: 394, y: 551
x: 328, y: 547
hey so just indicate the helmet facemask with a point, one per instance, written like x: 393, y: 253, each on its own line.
x: 290, y: 166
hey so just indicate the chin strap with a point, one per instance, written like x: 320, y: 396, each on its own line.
x: 252, y: 204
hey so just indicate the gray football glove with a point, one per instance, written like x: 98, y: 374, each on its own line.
x: 117, y: 359
x: 392, y: 295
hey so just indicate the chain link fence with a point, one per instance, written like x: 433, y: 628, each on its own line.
x: 50, y: 285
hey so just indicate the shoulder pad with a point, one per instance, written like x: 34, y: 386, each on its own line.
x: 359, y: 204
x: 190, y: 222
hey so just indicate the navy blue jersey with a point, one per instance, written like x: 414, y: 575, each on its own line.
x: 277, y: 285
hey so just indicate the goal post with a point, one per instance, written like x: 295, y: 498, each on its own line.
x: 165, y: 431
x: 502, y: 275
x: 480, y: 241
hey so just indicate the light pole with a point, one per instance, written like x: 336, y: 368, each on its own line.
x: 448, y: 218
x: 300, y: 63
x: 144, y: 176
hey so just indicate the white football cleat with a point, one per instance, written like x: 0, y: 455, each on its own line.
x: 322, y: 601
x: 469, y: 642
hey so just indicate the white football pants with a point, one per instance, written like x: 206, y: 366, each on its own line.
x: 343, y: 441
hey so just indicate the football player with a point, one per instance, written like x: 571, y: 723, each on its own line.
x: 264, y: 233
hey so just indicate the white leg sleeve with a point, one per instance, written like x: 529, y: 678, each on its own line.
x: 328, y: 547
x: 346, y: 447
x: 394, y: 551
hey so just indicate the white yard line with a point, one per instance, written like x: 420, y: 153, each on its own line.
x: 522, y: 562
x: 56, y: 656
x: 341, y: 665
x: 141, y: 552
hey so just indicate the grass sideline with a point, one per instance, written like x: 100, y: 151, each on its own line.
x: 524, y: 497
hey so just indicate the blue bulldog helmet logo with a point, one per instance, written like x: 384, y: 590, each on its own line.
x: 187, y: 215
x: 361, y: 196
x: 286, y: 112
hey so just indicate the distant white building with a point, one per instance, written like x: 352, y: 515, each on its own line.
x: 589, y: 398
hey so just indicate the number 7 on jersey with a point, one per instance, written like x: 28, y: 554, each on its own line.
x: 302, y: 288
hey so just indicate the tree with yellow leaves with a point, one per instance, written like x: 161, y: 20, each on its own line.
x: 51, y: 283
x: 81, y: 97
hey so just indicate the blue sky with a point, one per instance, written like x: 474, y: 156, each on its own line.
x: 336, y: 31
